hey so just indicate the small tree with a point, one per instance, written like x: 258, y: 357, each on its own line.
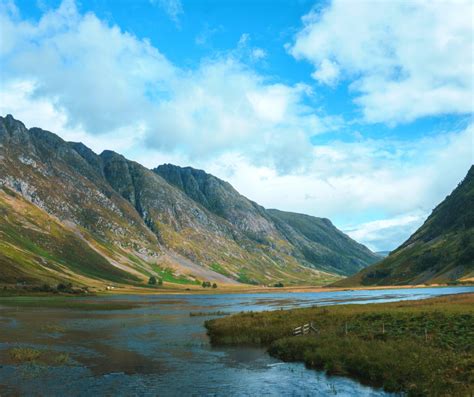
x: 152, y: 280
x: 214, y: 285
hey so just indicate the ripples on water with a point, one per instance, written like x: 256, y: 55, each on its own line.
x: 158, y: 349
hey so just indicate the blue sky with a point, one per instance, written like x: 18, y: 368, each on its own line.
x: 359, y: 114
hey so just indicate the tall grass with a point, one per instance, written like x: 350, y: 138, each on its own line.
x: 419, y: 347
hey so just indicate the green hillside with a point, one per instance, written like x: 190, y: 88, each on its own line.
x: 440, y: 251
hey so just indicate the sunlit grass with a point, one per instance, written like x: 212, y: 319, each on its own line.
x: 24, y: 354
x: 419, y: 347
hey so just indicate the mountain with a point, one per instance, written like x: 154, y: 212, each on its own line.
x: 69, y: 214
x: 315, y: 242
x: 321, y: 242
x: 440, y: 251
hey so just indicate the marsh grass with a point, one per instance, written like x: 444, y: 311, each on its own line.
x: 27, y: 355
x: 24, y: 354
x: 419, y: 347
x: 62, y: 359
x: 205, y: 314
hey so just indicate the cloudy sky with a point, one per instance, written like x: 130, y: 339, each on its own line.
x: 359, y: 111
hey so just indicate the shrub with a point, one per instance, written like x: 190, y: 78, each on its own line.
x: 65, y: 288
x: 152, y: 280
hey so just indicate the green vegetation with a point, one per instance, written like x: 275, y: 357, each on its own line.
x: 219, y: 269
x: 26, y: 251
x: 168, y: 275
x: 244, y: 278
x: 22, y: 355
x: 205, y: 314
x: 207, y: 284
x: 45, y: 289
x: 418, y: 347
x: 62, y: 359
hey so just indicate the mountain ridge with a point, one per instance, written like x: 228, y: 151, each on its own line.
x: 143, y: 223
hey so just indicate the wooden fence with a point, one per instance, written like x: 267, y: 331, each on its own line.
x: 305, y: 329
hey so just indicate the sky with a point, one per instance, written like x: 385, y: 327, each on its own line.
x: 358, y: 111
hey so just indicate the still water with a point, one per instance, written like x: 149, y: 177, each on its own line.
x: 159, y: 349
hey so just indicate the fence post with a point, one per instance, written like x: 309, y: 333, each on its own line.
x: 383, y: 328
x: 345, y: 328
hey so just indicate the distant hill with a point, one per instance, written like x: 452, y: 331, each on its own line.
x: 321, y: 242
x: 440, y: 251
x: 69, y: 214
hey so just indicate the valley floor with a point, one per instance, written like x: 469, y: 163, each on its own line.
x: 179, y: 289
x: 418, y: 347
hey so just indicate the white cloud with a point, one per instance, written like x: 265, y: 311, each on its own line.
x: 364, y: 186
x: 105, y: 81
x: 258, y: 54
x: 381, y: 235
x: 327, y: 73
x: 205, y: 35
x: 405, y: 59
x: 100, y: 76
x: 173, y: 8
x: 17, y: 99
x: 246, y: 50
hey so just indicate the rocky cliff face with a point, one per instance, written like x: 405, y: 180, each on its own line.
x: 315, y: 242
x: 178, y: 223
x: 440, y: 251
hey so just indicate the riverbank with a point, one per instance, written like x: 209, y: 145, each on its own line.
x: 419, y: 347
x: 21, y: 297
x: 177, y: 289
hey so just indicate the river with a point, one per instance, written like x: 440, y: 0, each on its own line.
x: 159, y: 349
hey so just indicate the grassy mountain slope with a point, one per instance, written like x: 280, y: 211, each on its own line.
x: 103, y: 217
x: 315, y: 242
x: 440, y: 251
x: 36, y: 246
x: 320, y: 242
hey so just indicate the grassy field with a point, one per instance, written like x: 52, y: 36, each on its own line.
x: 423, y: 348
